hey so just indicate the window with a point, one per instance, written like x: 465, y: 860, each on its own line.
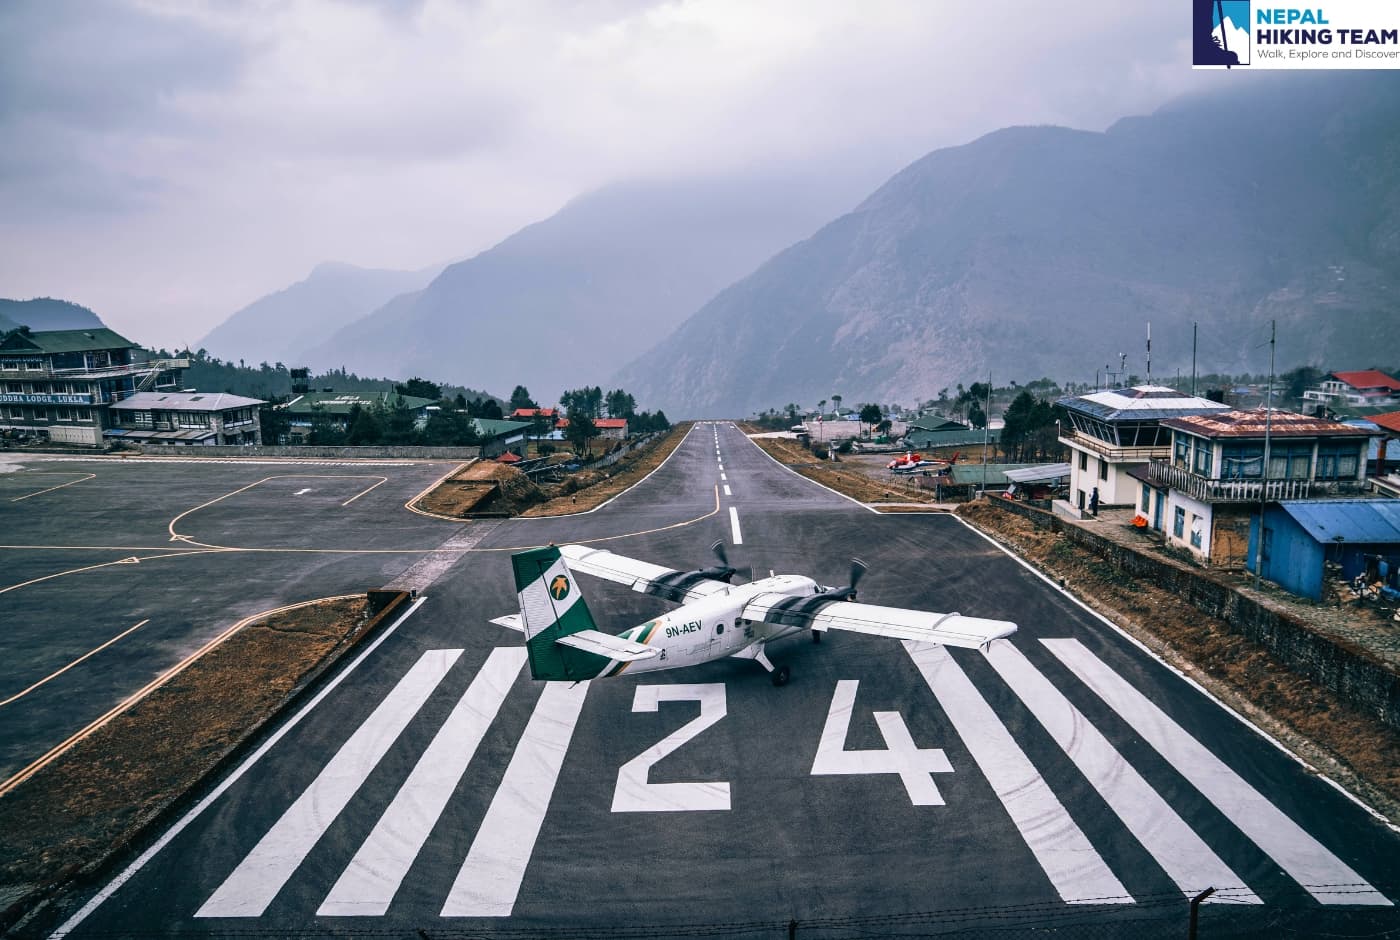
x: 1202, y: 463
x: 1103, y: 469
x: 1181, y: 452
x: 1146, y: 497
x: 1290, y: 461
x: 1179, y: 523
x: 1242, y: 461
x: 1083, y: 462
x: 1338, y: 461
x: 1195, y: 531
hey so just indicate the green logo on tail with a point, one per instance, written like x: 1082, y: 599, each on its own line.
x: 559, y: 587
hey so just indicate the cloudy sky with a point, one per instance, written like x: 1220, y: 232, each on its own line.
x: 166, y: 162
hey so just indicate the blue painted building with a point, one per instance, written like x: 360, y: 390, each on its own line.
x: 1301, y: 536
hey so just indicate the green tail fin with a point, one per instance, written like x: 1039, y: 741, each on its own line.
x: 552, y: 606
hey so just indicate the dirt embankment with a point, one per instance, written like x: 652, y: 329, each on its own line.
x: 848, y: 478
x: 90, y: 801
x: 483, y: 486
x: 1348, y: 745
x: 489, y: 488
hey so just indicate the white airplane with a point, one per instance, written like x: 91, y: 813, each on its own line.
x: 717, y: 619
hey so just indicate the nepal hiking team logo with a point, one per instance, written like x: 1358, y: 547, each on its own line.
x: 1220, y: 32
x: 559, y: 587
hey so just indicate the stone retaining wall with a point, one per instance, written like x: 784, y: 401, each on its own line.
x: 1345, y: 668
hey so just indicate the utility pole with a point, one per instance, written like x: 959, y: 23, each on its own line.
x: 1193, y: 358
x: 1264, y: 480
x: 986, y: 433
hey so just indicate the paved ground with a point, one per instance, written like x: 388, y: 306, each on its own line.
x: 1062, y: 778
x: 185, y: 548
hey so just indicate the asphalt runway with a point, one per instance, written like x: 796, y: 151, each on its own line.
x: 1062, y: 779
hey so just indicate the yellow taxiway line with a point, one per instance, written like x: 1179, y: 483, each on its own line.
x: 129, y: 560
x: 81, y: 478
x: 57, y: 673
x: 57, y: 751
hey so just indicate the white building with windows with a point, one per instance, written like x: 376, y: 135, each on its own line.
x: 187, y: 418
x: 59, y: 385
x: 1215, y: 481
x: 1113, y: 432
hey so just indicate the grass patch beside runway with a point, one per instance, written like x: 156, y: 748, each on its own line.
x: 92, y: 800
x: 1353, y: 748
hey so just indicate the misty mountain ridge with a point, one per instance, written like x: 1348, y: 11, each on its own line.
x: 567, y: 301
x: 1046, y: 251
x: 282, y: 326
x: 46, y: 313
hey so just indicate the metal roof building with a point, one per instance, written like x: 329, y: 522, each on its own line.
x: 1301, y: 536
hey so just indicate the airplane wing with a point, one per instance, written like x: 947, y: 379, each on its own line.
x: 510, y: 622
x: 641, y: 576
x: 900, y: 623
x: 605, y: 644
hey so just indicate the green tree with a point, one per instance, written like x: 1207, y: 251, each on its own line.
x: 364, y: 427
x: 620, y: 404
x: 871, y: 415
x: 976, y: 416
x: 449, y: 429
x: 400, y: 426
x: 520, y: 398
x: 420, y: 388
x: 580, y: 432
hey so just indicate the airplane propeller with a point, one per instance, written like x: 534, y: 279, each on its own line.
x: 726, y: 571
x: 858, y: 570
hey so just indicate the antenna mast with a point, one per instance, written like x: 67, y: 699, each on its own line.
x: 1149, y: 352
x: 1264, y: 479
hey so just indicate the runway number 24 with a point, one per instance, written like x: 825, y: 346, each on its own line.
x: 913, y: 764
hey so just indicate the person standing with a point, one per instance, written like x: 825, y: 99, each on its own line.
x: 1094, y: 503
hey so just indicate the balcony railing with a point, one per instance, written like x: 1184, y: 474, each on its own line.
x: 96, y: 372
x: 1111, y: 452
x: 1208, y: 490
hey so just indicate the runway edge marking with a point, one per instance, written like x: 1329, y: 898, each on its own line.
x: 1069, y: 595
x: 184, y: 822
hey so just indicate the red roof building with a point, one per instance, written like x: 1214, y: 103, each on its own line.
x: 1367, y: 388
x: 525, y: 414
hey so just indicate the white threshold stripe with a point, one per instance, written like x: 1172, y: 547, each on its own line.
x: 1327, y: 878
x: 1183, y: 855
x: 723, y: 477
x: 734, y: 524
x: 130, y: 871
x: 727, y: 491
x: 1076, y: 870
x: 368, y: 885
x: 490, y: 878
x: 255, y: 882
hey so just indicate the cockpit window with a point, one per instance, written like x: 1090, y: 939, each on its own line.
x: 719, y: 628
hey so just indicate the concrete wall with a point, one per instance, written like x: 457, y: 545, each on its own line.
x: 317, y: 453
x: 1338, y: 665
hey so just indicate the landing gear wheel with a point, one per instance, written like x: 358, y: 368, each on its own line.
x: 781, y: 675
x: 816, y: 636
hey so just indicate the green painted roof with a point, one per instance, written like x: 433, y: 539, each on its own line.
x: 65, y: 341
x: 919, y: 439
x: 490, y: 427
x: 971, y: 473
x: 341, y: 403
